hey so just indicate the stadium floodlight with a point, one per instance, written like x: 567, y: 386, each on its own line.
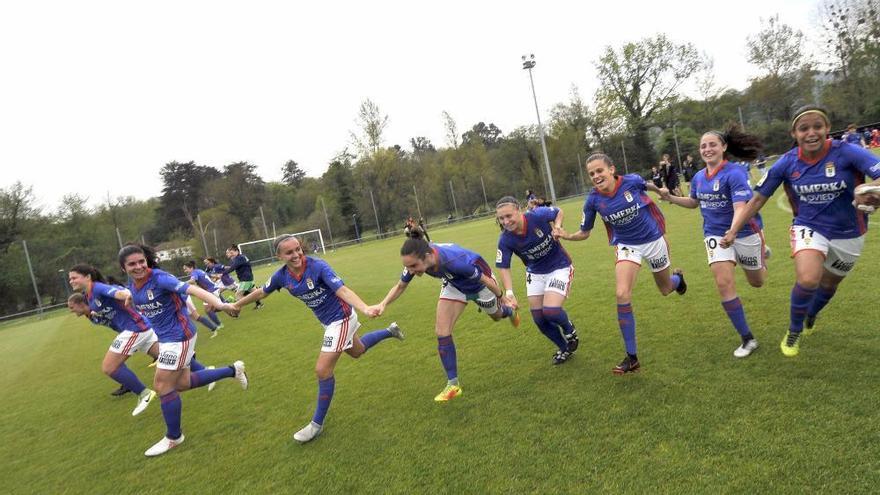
x: 262, y: 250
x: 528, y: 64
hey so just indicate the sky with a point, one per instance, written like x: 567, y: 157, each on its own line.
x: 96, y: 96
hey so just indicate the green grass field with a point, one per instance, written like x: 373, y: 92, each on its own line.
x: 695, y: 420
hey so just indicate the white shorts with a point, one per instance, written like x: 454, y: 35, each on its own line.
x: 339, y: 335
x: 747, y: 251
x: 207, y: 305
x: 190, y: 306
x: 656, y: 252
x: 176, y: 355
x: 840, y: 254
x: 485, y: 299
x: 128, y: 342
x: 558, y: 281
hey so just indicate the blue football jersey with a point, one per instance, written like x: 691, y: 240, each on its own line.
x: 457, y: 266
x: 316, y: 287
x: 821, y: 193
x: 534, y: 245
x: 630, y: 216
x: 241, y: 265
x: 202, y: 280
x: 162, y: 300
x: 111, y: 312
x: 717, y: 192
x: 217, y: 268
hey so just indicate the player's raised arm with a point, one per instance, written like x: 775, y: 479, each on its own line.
x: 353, y: 300
x: 741, y: 216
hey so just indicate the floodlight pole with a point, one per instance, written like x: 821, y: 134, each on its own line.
x: 529, y: 64
x: 625, y: 166
x: 580, y: 167
x: 486, y: 199
x: 454, y: 204
x: 202, y: 233
x: 327, y: 219
x: 677, y: 150
x: 33, y: 279
x: 416, y: 194
x: 376, y: 213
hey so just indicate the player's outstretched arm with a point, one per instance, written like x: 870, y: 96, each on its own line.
x: 580, y: 235
x: 740, y: 218
x: 353, y: 300
x: 123, y: 295
x: 492, y: 285
x: 683, y: 201
x: 256, y: 295
x: 392, y: 295
x: 507, y: 280
x: 214, y: 301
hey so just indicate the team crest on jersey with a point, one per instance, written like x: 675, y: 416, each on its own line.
x: 628, y: 196
x: 794, y: 175
x: 98, y: 303
x: 829, y: 169
x: 539, y: 232
x: 310, y: 284
x: 716, y: 185
x: 150, y: 294
x: 498, y: 256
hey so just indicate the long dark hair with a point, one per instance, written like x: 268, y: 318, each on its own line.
x: 147, y: 251
x: 739, y: 143
x: 87, y: 270
x: 415, y: 245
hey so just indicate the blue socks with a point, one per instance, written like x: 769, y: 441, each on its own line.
x: 446, y: 349
x: 627, y: 323
x: 213, y: 316
x: 821, y: 299
x: 737, y: 315
x: 549, y: 329
x: 124, y: 376
x: 373, y: 338
x: 208, y: 323
x: 203, y: 377
x: 171, y: 410
x: 558, y: 316
x: 676, y: 281
x: 800, y: 301
x: 325, y: 395
x: 195, y: 365
x: 506, y: 311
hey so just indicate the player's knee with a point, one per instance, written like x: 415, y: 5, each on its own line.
x: 757, y: 281
x: 323, y: 372
x: 624, y: 295
x: 109, y: 368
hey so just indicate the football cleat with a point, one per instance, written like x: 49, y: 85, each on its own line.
x: 214, y: 332
x: 144, y: 400
x: 240, y: 374
x: 746, y: 349
x: 628, y: 365
x: 810, y: 325
x: 561, y: 357
x: 448, y: 393
x: 163, y: 446
x: 514, y: 318
x: 791, y: 344
x: 395, y: 331
x: 122, y: 390
x: 308, y: 433
x: 682, y: 285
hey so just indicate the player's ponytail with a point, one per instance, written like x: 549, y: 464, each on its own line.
x: 147, y: 251
x: 88, y: 271
x: 739, y: 143
x: 415, y: 245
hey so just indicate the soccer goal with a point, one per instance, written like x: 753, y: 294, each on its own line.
x: 262, y: 249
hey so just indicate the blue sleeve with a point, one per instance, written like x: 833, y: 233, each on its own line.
x: 864, y: 161
x: 588, y: 218
x: 275, y: 282
x: 740, y: 190
x: 694, y: 187
x: 636, y: 180
x: 236, y: 262
x: 773, y: 177
x: 171, y: 284
x: 100, y: 289
x: 503, y: 255
x: 330, y: 278
x: 546, y: 213
x: 406, y: 277
x: 463, y: 269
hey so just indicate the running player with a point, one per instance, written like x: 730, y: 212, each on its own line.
x: 466, y: 277
x: 721, y: 191
x: 200, y: 278
x: 828, y: 232
x: 312, y: 281
x: 240, y: 264
x: 159, y: 297
x: 549, y: 272
x: 636, y: 226
x: 103, y: 304
x: 221, y: 280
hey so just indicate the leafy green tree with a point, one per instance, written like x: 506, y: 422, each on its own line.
x: 183, y: 197
x: 292, y: 174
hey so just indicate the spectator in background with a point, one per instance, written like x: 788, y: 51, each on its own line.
x: 424, y: 229
x: 670, y: 177
x: 688, y: 168
x: 656, y: 176
x: 875, y: 138
x: 853, y: 136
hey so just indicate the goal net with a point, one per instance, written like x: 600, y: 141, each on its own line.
x: 261, y: 250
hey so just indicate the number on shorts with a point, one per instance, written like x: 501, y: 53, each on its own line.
x: 806, y: 233
x: 711, y: 243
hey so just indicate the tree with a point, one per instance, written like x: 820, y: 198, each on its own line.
x: 421, y: 145
x: 242, y: 189
x: 183, y: 197
x: 642, y: 78
x: 777, y: 48
x: 489, y: 135
x: 451, y: 130
x: 16, y: 207
x: 292, y: 175
x: 372, y: 124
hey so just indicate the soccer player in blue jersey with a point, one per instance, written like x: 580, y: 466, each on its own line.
x: 721, y: 191
x: 636, y: 226
x: 160, y: 298
x: 466, y: 277
x: 853, y: 136
x: 241, y: 265
x: 103, y: 304
x: 312, y: 281
x: 549, y: 272
x: 200, y: 278
x: 819, y: 176
x: 222, y: 280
